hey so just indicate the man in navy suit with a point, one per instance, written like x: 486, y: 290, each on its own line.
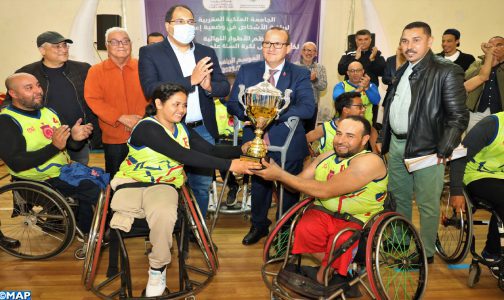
x: 276, y: 46
x: 179, y: 60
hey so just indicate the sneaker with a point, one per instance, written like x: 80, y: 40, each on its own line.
x: 156, y: 284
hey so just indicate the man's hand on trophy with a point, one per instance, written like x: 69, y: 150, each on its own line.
x: 244, y: 166
x: 270, y: 170
x: 201, y: 70
x: 247, y: 145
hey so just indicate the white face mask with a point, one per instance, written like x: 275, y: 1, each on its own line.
x: 184, y: 33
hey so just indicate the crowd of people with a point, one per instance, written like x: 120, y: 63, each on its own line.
x: 156, y: 119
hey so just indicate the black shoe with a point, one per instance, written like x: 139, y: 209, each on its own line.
x: 254, y: 235
x: 7, y: 242
x: 231, y: 196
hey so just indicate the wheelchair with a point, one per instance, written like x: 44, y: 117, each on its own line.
x: 40, y: 218
x: 390, y: 254
x: 195, y: 269
x: 456, y: 237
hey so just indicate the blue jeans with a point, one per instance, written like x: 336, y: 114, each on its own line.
x: 200, y: 179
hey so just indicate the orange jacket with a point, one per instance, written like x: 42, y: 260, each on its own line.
x: 111, y: 92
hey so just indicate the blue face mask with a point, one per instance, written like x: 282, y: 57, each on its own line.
x: 184, y: 33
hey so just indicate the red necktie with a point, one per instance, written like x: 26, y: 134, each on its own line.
x: 272, y: 77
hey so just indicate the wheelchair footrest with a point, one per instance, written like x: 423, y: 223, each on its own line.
x: 300, y: 282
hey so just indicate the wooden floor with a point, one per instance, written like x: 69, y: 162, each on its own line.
x: 239, y: 275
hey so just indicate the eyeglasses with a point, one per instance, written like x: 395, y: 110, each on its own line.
x: 355, y: 70
x: 309, y: 50
x: 116, y: 43
x: 60, y: 46
x: 360, y: 106
x: 276, y: 45
x: 182, y: 21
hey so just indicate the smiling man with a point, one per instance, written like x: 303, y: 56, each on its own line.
x: 349, y: 184
x: 62, y: 82
x: 425, y: 114
x: 450, y: 44
x: 318, y: 77
x: 113, y: 92
x: 284, y: 75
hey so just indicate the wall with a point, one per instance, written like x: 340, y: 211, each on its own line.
x: 21, y: 22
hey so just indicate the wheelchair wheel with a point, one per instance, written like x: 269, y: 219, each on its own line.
x: 454, y: 231
x: 38, y: 217
x: 474, y: 275
x: 95, y: 238
x: 275, y: 245
x: 395, y: 259
x: 199, y: 229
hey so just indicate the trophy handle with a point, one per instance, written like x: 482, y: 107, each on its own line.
x: 241, y: 93
x: 287, y: 102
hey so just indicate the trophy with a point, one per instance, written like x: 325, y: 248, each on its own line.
x: 262, y: 104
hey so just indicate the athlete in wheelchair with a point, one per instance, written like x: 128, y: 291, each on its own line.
x: 36, y: 218
x: 480, y: 176
x: 147, y: 181
x: 350, y: 186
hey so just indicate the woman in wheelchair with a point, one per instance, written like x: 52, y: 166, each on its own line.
x: 350, y: 185
x: 159, y: 147
x: 482, y: 174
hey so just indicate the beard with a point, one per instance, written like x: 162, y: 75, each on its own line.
x: 31, y: 103
x: 349, y: 153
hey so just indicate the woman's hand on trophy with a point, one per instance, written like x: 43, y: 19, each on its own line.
x: 244, y: 166
x: 270, y: 170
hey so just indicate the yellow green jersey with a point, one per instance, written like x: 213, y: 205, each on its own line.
x: 146, y: 165
x: 368, y: 114
x: 489, y: 162
x: 361, y: 204
x: 326, y: 141
x: 38, y: 131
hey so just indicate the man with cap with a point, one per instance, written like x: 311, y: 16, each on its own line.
x: 179, y: 59
x: 450, y: 42
x: 62, y: 82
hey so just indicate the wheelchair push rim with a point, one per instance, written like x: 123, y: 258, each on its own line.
x: 38, y: 217
x: 395, y: 259
x: 95, y: 239
x: 454, y: 232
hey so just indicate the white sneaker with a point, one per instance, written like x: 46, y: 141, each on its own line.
x: 156, y: 284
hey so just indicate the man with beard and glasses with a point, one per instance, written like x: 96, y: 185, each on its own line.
x: 349, y: 185
x: 33, y: 143
x: 425, y: 114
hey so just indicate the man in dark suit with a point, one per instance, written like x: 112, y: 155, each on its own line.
x: 276, y: 46
x: 179, y: 60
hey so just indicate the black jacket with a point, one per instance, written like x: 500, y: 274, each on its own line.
x: 76, y: 73
x: 464, y: 60
x: 373, y: 68
x: 437, y: 114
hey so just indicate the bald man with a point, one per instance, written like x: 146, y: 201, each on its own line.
x: 33, y: 143
x: 318, y: 78
x: 359, y: 81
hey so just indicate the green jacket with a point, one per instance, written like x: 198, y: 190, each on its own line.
x: 473, y: 97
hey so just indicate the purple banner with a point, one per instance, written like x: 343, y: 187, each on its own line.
x: 235, y: 28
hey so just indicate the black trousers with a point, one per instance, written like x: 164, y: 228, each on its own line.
x: 262, y: 191
x: 86, y: 193
x: 491, y: 190
x: 114, y: 156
